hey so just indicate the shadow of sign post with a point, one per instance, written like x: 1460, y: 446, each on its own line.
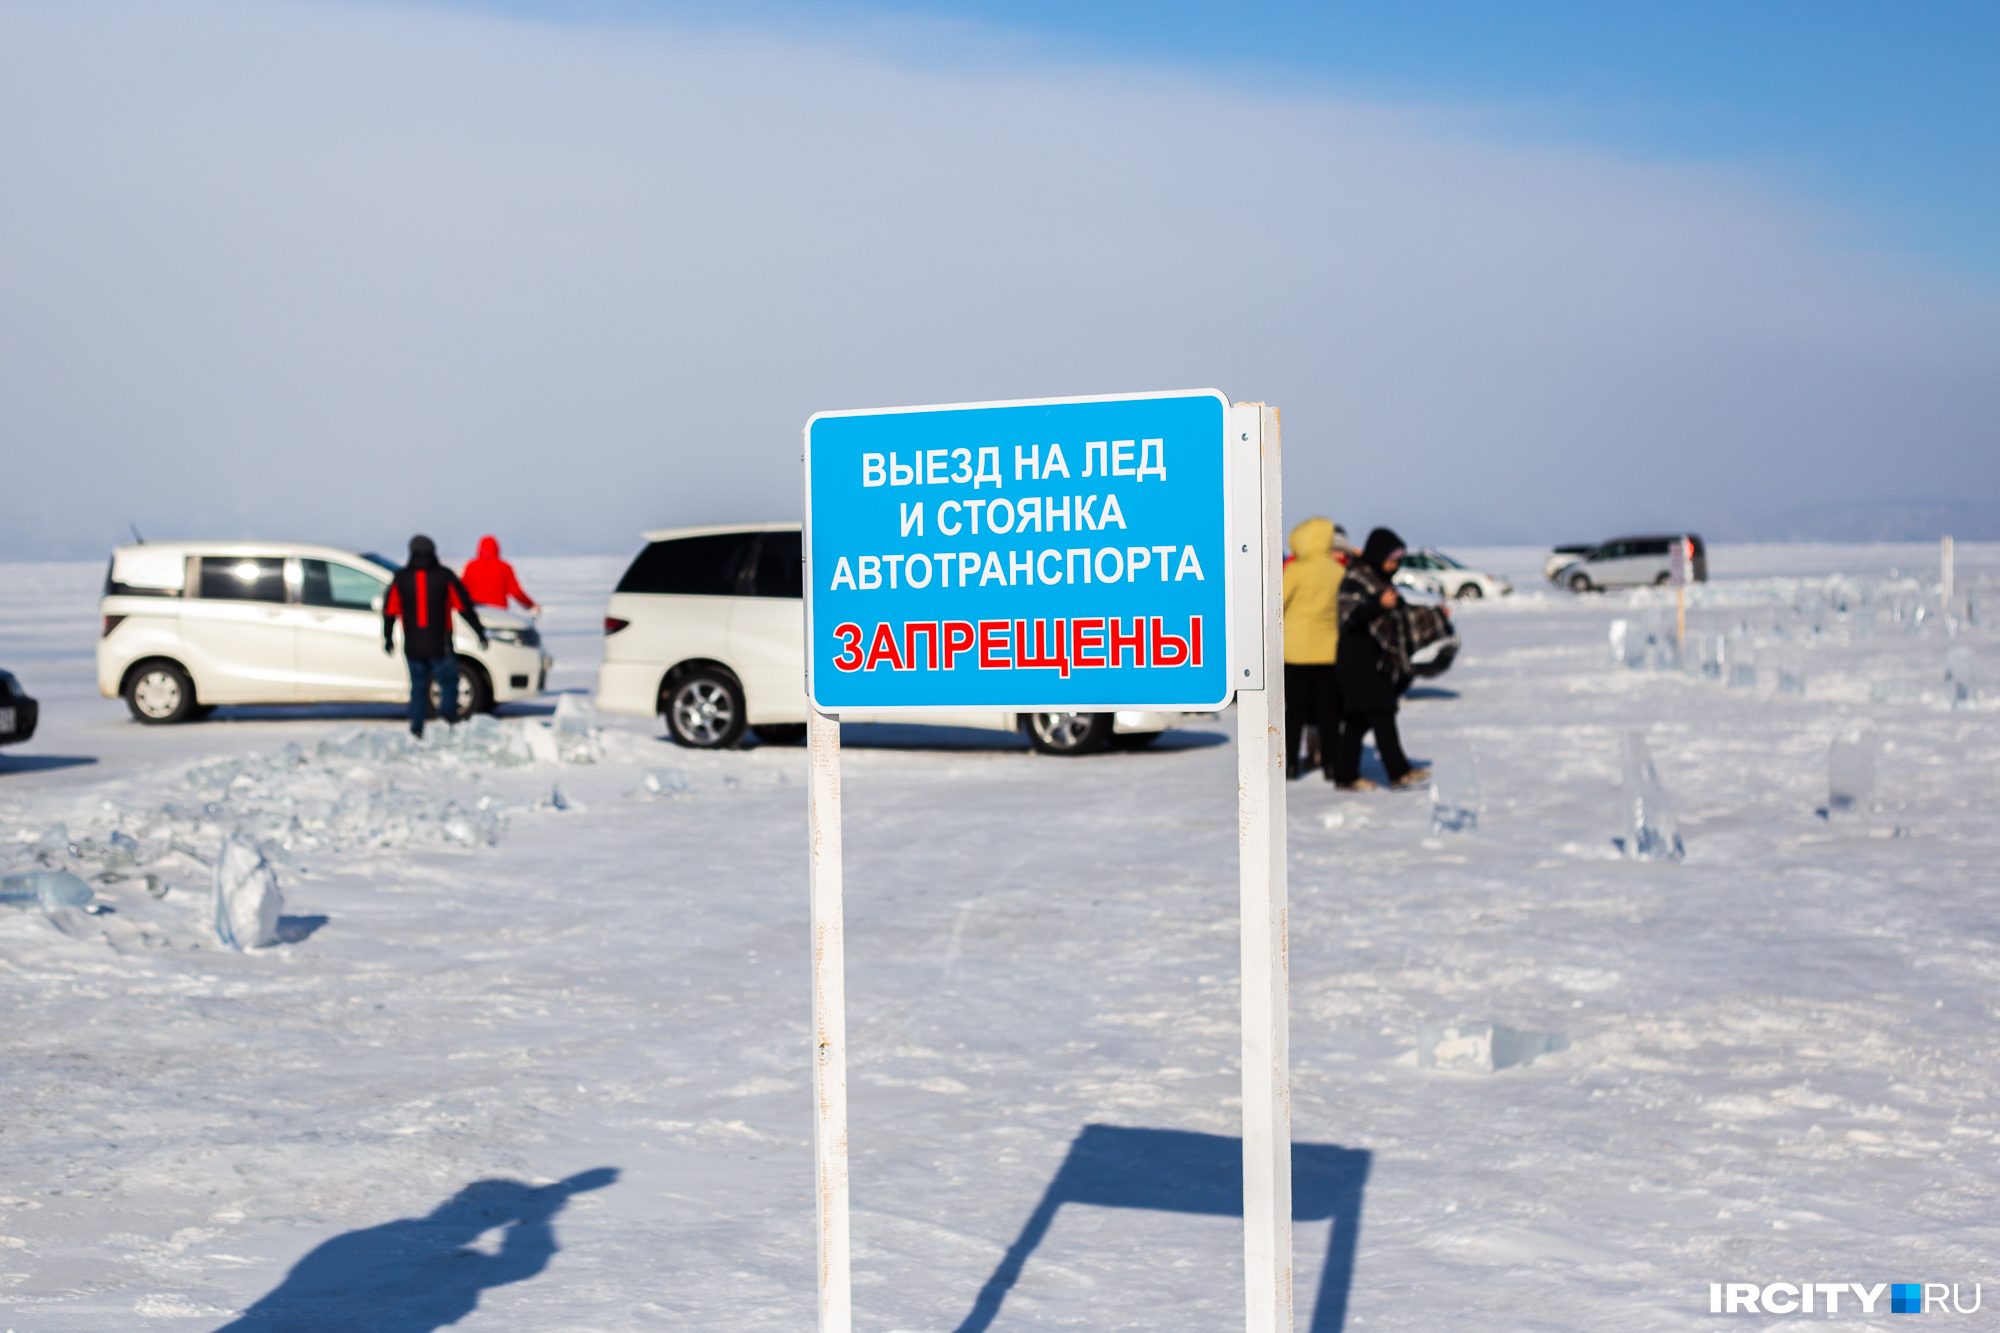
x: 1174, y: 1171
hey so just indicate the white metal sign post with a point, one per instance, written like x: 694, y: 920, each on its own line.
x: 1125, y: 556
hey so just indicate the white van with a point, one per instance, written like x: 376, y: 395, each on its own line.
x: 1631, y: 562
x: 190, y: 625
x: 708, y: 629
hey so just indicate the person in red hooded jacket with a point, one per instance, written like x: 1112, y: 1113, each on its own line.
x: 491, y: 580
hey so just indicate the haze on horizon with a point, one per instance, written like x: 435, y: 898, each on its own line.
x: 340, y: 271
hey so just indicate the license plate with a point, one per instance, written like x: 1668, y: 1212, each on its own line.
x: 6, y: 719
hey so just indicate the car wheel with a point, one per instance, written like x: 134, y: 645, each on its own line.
x: 160, y: 694
x: 474, y: 694
x: 1067, y: 733
x: 1579, y: 583
x: 705, y: 710
x: 781, y: 733
x: 1666, y: 577
x: 1469, y: 591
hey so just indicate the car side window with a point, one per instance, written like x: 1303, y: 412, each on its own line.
x: 779, y: 571
x: 1658, y: 547
x: 1609, y: 551
x: 327, y: 583
x: 711, y: 566
x: 239, y: 578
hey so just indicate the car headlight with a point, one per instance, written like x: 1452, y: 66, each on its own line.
x: 527, y: 638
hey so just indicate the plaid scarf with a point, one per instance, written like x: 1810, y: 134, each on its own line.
x: 1399, y: 630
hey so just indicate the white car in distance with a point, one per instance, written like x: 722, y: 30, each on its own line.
x: 190, y: 625
x: 707, y: 629
x: 1437, y: 572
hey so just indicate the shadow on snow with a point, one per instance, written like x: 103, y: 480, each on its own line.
x: 1180, y: 1172
x: 418, y: 1274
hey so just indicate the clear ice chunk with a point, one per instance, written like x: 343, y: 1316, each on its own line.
x: 1961, y: 675
x: 1850, y: 773
x: 1739, y: 655
x: 50, y: 888
x: 1651, y: 832
x: 247, y: 901
x: 1455, y: 802
x: 1791, y: 671
x: 575, y: 715
x: 667, y: 781
x: 1483, y: 1048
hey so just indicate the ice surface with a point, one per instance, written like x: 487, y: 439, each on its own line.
x: 1850, y: 773
x: 247, y: 901
x: 1484, y: 1048
x: 1651, y: 833
x: 1034, y: 946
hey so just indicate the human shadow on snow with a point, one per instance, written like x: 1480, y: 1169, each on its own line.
x: 418, y: 1274
x: 1176, y: 1171
x: 41, y: 763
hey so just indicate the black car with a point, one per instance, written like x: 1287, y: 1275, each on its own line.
x: 17, y: 711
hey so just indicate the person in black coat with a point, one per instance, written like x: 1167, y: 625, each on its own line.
x: 423, y: 596
x: 1376, y: 631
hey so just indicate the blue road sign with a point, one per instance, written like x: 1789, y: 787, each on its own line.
x: 1053, y: 555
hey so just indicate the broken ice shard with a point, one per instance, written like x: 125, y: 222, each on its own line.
x: 1483, y: 1048
x: 1850, y: 773
x: 1651, y: 833
x: 50, y: 888
x: 247, y: 902
x: 1961, y: 675
x: 1739, y: 655
x: 1455, y: 792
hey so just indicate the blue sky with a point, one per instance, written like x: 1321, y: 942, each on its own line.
x: 1540, y: 280
x: 1891, y: 112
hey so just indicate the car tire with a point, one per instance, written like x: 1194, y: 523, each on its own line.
x: 1469, y: 591
x: 1134, y: 740
x: 160, y: 694
x: 1579, y: 583
x: 780, y: 733
x: 704, y: 710
x: 1666, y: 577
x: 1067, y: 733
x: 475, y: 695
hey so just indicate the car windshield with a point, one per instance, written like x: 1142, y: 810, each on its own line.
x: 383, y: 561
x: 1444, y: 561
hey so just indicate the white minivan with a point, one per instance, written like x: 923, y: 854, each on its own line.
x: 190, y: 625
x: 708, y: 629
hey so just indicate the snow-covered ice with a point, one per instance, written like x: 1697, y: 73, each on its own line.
x: 547, y: 1062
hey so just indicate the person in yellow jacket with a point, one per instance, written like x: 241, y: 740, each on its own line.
x: 1312, y: 640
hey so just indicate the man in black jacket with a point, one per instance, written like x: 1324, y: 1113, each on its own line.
x: 424, y: 594
x: 1376, y: 631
